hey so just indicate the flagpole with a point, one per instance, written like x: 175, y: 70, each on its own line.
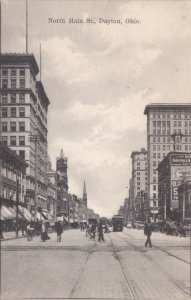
x: 26, y: 26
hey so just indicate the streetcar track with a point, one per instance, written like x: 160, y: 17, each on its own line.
x: 73, y: 290
x: 165, y: 251
x: 151, y: 260
x: 126, y: 280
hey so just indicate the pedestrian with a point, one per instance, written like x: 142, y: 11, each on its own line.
x: 100, y: 232
x: 59, y: 230
x: 148, y: 232
x: 29, y: 231
x: 93, y: 231
x: 44, y: 235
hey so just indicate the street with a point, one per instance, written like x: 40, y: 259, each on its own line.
x: 119, y: 268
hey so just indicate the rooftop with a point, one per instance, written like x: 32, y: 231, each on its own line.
x: 166, y: 106
x: 21, y: 59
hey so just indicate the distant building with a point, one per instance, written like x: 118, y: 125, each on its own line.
x: 51, y: 192
x: 139, y: 179
x: 63, y: 198
x: 24, y: 106
x: 168, y: 129
x: 173, y: 175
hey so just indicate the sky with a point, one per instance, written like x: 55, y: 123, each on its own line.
x: 99, y: 77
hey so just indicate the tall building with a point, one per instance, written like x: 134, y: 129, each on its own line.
x: 24, y: 106
x: 63, y: 198
x: 139, y: 179
x: 168, y: 129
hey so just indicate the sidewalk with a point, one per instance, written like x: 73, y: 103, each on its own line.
x: 11, y: 235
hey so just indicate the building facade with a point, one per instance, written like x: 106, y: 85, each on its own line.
x: 168, y: 129
x: 139, y: 180
x: 63, y: 198
x: 24, y: 106
x: 174, y: 173
x: 12, y: 184
x: 51, y: 192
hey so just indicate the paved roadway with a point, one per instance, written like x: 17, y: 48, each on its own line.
x: 119, y: 268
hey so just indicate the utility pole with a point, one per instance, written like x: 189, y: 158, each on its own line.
x: 17, y: 203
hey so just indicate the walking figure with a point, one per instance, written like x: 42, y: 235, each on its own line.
x: 59, y: 230
x: 148, y: 232
x: 100, y: 232
x: 93, y: 232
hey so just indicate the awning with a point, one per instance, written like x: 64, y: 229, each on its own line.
x: 6, y: 213
x: 25, y: 213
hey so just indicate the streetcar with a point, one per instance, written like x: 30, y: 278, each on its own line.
x: 117, y: 222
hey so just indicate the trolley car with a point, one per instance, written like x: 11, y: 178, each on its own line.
x: 117, y: 221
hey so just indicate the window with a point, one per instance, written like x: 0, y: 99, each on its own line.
x: 12, y: 126
x: 154, y: 179
x: 13, y: 112
x: 175, y: 123
x: 22, y: 72
x: 186, y: 123
x: 21, y: 111
x: 4, y: 139
x: 4, y: 72
x: 13, y: 72
x: 168, y: 147
x: 13, y: 83
x: 138, y: 178
x: 158, y: 147
x: 21, y: 140
x: 154, y: 139
x: 4, y: 83
x: 154, y: 147
x: 21, y: 98
x: 186, y: 147
x: 22, y: 154
x: 13, y: 98
x: 4, y: 126
x: 154, y: 187
x: 21, y: 126
x: 154, y: 155
x: 4, y: 99
x: 22, y: 83
x: 164, y: 147
x: 138, y: 183
x: 158, y: 139
x: 158, y: 155
x: 4, y: 112
x: 164, y: 139
x: 13, y: 140
x: 154, y: 163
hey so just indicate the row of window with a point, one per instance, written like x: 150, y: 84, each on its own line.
x: 165, y: 139
x: 12, y: 126
x: 165, y: 124
x: 186, y: 131
x: 13, y: 72
x: 13, y: 98
x: 168, y: 116
x: 14, y: 141
x: 161, y: 147
x: 13, y: 112
x: 13, y: 83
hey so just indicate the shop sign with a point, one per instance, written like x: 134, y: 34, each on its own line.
x: 181, y: 159
x: 175, y: 185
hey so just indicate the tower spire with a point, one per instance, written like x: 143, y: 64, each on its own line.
x: 85, y: 200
